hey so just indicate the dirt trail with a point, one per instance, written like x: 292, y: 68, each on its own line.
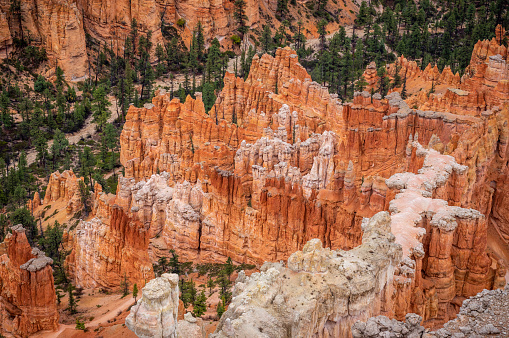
x: 96, y: 322
x: 89, y: 128
x: 315, y: 42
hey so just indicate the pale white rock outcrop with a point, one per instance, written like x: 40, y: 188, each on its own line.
x: 155, y: 314
x: 190, y: 327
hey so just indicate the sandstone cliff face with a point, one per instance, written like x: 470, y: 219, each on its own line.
x: 106, y: 252
x: 55, y: 25
x: 425, y: 276
x: 60, y: 26
x: 27, y: 291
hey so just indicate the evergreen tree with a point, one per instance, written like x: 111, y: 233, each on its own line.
x: 200, y: 41
x: 85, y: 197
x: 133, y: 35
x: 174, y: 263
x: 266, y: 39
x: 239, y: 13
x: 24, y: 217
x: 403, y: 90
x: 321, y: 12
x: 210, y: 284
x: 228, y: 267
x: 135, y: 292
x: 41, y: 146
x: 52, y: 240
x: 383, y: 82
x: 220, y: 309
x: 124, y: 286
x: 80, y: 325
x: 209, y: 98
x: 200, y: 305
x: 59, y: 146
x: 214, y: 63
x: 100, y: 106
x: 73, y: 302
x: 320, y: 26
x: 360, y: 84
x: 87, y: 163
x: 281, y: 9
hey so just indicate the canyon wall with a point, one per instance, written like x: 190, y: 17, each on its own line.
x: 421, y: 258
x: 279, y: 161
x: 55, y: 25
x: 27, y: 291
x: 61, y: 27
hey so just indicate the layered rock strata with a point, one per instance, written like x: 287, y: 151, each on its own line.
x: 27, y: 292
x: 427, y: 276
x: 155, y: 314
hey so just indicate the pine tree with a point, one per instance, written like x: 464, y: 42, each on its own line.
x: 239, y: 13
x: 200, y: 41
x: 73, y: 303
x: 200, y: 305
x: 322, y: 32
x: 87, y: 163
x: 100, y: 106
x: 403, y: 90
x: 266, y: 39
x: 281, y: 9
x: 124, y: 286
x: 299, y: 38
x: 80, y: 325
x: 85, y: 196
x: 135, y: 292
x: 134, y: 35
x: 220, y: 309
x: 360, y: 84
x: 383, y: 82
x: 59, y: 146
x: 209, y: 98
x: 228, y: 267
x: 214, y: 63
x: 320, y: 11
x: 174, y: 262
x: 210, y: 285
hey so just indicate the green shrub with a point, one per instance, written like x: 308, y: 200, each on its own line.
x: 235, y: 39
x: 181, y: 22
x: 80, y: 325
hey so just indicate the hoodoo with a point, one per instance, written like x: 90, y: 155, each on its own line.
x: 247, y: 168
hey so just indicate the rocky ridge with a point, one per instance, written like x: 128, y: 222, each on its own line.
x: 321, y: 292
x: 483, y: 315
